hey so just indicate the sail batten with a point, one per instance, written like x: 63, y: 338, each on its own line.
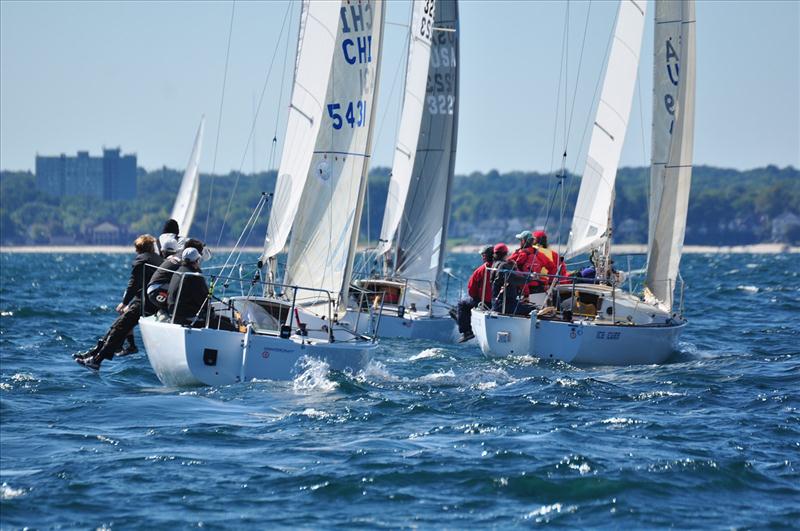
x: 590, y: 226
x: 673, y: 139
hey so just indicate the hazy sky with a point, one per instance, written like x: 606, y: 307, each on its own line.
x: 139, y: 75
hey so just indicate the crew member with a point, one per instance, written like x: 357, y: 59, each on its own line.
x: 130, y: 309
x: 188, y: 293
x: 479, y: 289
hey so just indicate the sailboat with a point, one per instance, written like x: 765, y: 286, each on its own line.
x: 405, y: 300
x: 186, y: 201
x: 318, y: 198
x: 600, y: 323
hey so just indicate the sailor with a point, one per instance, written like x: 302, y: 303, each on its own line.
x: 188, y: 292
x: 554, y: 263
x: 170, y: 231
x: 527, y: 258
x: 479, y: 289
x: 158, y: 288
x: 130, y: 309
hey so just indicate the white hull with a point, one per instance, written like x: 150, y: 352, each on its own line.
x: 410, y: 326
x: 646, y: 334
x: 183, y: 356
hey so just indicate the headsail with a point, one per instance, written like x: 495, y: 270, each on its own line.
x: 422, y: 233
x: 673, y: 139
x: 324, y: 234
x: 405, y: 151
x: 590, y: 221
x: 186, y: 200
x: 315, y: 49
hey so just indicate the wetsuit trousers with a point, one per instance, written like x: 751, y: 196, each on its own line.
x: 464, y: 314
x: 121, y: 328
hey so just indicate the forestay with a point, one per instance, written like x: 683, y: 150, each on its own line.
x: 590, y: 222
x: 673, y: 138
x: 423, y: 227
x: 405, y: 151
x: 324, y: 234
x: 315, y: 48
x: 186, y: 201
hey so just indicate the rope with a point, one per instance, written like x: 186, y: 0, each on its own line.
x: 280, y: 97
x: 252, y: 128
x: 219, y: 119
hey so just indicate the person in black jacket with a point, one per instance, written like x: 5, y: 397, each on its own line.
x: 130, y: 309
x: 188, y: 293
x: 171, y: 250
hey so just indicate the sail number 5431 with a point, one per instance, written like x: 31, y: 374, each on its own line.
x: 355, y: 115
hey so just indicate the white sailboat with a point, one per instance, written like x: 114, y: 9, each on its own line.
x: 318, y: 198
x: 186, y: 201
x: 405, y: 300
x: 601, y: 323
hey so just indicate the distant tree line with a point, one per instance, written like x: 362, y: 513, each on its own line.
x: 726, y: 207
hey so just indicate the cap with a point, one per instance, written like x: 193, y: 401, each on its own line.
x: 190, y: 254
x: 501, y: 248
x: 524, y: 235
x: 539, y: 234
x: 168, y: 243
x: 487, y: 250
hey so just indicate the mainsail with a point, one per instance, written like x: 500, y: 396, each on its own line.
x: 186, y: 201
x: 673, y: 138
x: 590, y: 222
x: 315, y: 49
x: 324, y: 233
x: 422, y: 232
x: 405, y: 151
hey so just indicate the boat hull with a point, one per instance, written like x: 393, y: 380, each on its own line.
x: 183, y: 356
x: 410, y: 326
x: 581, y: 342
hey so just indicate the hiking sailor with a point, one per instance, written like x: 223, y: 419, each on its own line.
x: 479, y: 289
x: 130, y: 309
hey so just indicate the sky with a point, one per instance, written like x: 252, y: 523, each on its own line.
x: 139, y: 75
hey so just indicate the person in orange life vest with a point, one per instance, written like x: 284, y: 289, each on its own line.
x: 479, y: 289
x: 555, y: 263
x: 529, y: 260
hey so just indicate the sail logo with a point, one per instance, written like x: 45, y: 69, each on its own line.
x: 672, y: 62
x: 358, y: 50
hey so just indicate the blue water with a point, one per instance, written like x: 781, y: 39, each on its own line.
x: 428, y: 435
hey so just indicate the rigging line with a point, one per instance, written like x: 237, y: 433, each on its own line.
x: 261, y: 201
x: 219, y: 118
x: 580, y: 63
x: 280, y: 97
x: 252, y: 128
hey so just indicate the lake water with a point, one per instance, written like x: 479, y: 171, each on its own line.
x: 428, y: 435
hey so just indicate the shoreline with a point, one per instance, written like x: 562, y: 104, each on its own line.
x: 758, y: 248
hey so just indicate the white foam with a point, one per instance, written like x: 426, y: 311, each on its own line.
x: 312, y: 413
x: 7, y: 314
x: 24, y: 377
x: 314, y: 377
x: 748, y: 289
x: 7, y: 492
x: 427, y: 354
x: 437, y: 376
x: 375, y: 370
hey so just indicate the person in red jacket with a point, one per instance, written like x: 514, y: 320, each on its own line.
x: 529, y: 259
x: 479, y: 289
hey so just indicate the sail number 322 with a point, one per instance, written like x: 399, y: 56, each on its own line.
x: 355, y: 115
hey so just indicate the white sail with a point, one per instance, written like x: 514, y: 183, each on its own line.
x: 186, y: 201
x: 405, y: 152
x: 325, y: 229
x: 590, y: 221
x: 422, y: 233
x: 315, y: 49
x: 673, y: 139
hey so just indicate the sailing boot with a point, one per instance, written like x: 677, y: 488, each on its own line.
x: 129, y: 348
x: 91, y: 362
x: 91, y: 352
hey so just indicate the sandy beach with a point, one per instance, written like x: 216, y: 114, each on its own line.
x: 619, y: 249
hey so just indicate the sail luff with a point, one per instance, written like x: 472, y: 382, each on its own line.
x: 315, y: 50
x: 590, y: 220
x: 673, y: 140
x: 186, y: 201
x: 419, y: 53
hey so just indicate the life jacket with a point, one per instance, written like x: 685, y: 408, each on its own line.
x: 545, y: 263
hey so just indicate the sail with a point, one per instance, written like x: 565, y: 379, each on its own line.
x: 590, y: 221
x: 324, y: 234
x: 422, y: 232
x: 186, y: 201
x: 673, y: 139
x: 405, y: 151
x: 315, y: 49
